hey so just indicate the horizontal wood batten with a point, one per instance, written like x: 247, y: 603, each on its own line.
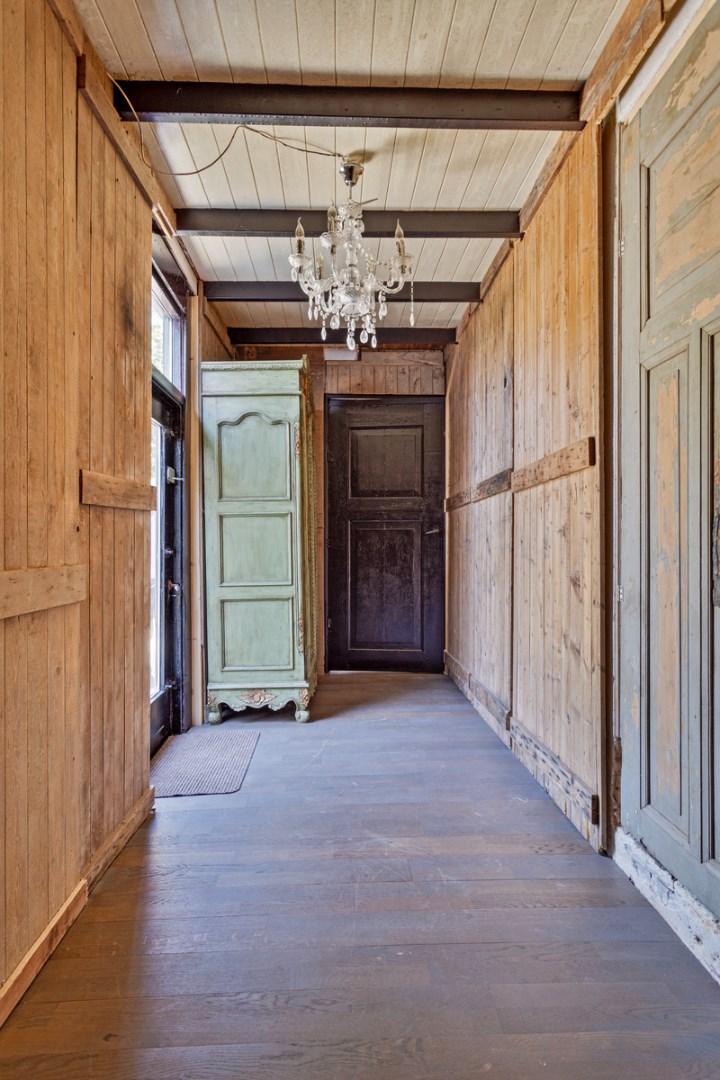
x: 494, y: 485
x: 20, y: 979
x: 567, y: 790
x: 392, y: 335
x: 100, y: 489
x: 423, y: 224
x: 90, y: 89
x: 41, y: 588
x: 571, y: 459
x: 117, y: 841
x: 180, y: 102
x: 289, y: 291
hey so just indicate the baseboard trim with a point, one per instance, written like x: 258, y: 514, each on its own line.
x: 693, y: 923
x: 493, y: 711
x: 20, y: 979
x: 576, y: 801
x: 117, y: 841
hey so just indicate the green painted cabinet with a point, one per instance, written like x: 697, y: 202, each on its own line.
x: 259, y: 536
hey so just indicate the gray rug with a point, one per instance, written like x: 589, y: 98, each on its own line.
x: 202, y: 761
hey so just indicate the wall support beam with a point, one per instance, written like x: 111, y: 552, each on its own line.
x: 339, y: 106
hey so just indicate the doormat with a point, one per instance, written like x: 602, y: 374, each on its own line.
x: 202, y: 761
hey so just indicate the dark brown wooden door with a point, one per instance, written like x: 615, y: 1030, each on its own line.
x: 385, y: 479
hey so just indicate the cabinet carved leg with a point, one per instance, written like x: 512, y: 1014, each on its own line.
x: 213, y: 712
x: 302, y: 715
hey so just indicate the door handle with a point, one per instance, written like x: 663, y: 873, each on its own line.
x: 432, y: 532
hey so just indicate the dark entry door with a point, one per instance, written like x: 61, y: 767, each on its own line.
x: 385, y: 470
x: 166, y: 580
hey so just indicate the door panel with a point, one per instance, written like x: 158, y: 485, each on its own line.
x: 670, y: 514
x: 665, y: 767
x: 385, y: 604
x: 385, y: 534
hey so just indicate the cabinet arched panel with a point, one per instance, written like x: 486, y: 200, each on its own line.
x: 253, y: 459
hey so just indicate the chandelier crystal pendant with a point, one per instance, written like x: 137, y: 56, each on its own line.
x: 354, y: 292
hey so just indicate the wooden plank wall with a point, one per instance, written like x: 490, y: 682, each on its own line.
x: 547, y: 345
x: 114, y: 382
x: 74, y: 393
x: 479, y: 528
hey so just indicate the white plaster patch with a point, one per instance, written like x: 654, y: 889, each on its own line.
x: 693, y: 923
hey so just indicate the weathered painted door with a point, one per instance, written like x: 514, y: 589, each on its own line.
x: 385, y: 469
x: 670, y: 469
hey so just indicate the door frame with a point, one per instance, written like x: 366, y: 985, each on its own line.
x: 168, y: 409
x: 389, y: 399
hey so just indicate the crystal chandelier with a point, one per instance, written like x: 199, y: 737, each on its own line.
x: 354, y: 293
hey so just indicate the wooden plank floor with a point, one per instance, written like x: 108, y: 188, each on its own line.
x: 390, y: 896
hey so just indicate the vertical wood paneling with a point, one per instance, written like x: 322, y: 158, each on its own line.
x: 74, y: 393
x: 538, y: 328
x: 3, y: 361
x: 15, y: 458
x: 480, y: 534
x: 557, y: 532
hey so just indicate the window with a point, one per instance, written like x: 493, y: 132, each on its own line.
x: 167, y: 336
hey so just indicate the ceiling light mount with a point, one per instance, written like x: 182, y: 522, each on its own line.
x: 351, y: 171
x: 356, y: 288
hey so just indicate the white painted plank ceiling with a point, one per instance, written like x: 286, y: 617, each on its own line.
x: 445, y: 43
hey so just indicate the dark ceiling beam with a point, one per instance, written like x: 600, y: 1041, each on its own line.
x: 390, y: 335
x: 335, y: 106
x: 468, y: 224
x: 439, y: 292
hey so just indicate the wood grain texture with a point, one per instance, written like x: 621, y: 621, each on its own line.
x: 558, y: 644
x: 215, y: 342
x: 41, y: 588
x: 93, y: 92
x: 494, y: 485
x: 326, y: 929
x: 538, y: 330
x: 100, y: 489
x: 479, y: 530
x: 70, y: 24
x: 637, y: 29
x: 554, y: 466
x: 21, y: 978
x: 75, y: 247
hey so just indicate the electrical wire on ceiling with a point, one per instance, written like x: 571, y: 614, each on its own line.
x: 240, y: 127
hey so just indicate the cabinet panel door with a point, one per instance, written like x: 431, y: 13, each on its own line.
x: 670, y: 517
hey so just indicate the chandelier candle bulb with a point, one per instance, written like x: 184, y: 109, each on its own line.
x: 299, y: 238
x: 332, y: 218
x: 400, y: 240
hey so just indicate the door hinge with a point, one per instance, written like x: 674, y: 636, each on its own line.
x: 620, y: 593
x: 621, y: 246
